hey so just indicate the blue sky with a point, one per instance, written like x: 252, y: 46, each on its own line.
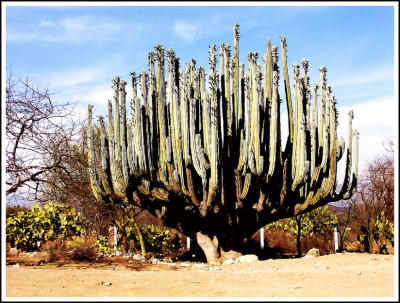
x: 76, y: 51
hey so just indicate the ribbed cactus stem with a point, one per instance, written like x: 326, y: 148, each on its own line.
x: 274, y: 144
x: 236, y: 75
x: 313, y: 133
x: 287, y: 87
x: 214, y: 134
x: 116, y: 117
x: 160, y: 82
x: 268, y: 72
x: 124, y: 159
x: 97, y: 191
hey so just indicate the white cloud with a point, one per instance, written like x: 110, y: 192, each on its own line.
x: 74, y: 77
x: 372, y: 76
x: 376, y: 121
x: 20, y: 37
x: 46, y: 23
x: 76, y: 29
x: 185, y: 30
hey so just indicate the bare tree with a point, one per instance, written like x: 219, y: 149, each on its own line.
x: 376, y: 192
x: 345, y: 218
x: 37, y: 130
x: 71, y: 185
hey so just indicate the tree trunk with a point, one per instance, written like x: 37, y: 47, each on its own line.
x: 298, y: 220
x: 214, y: 252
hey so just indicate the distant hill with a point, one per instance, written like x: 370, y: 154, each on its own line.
x: 336, y: 208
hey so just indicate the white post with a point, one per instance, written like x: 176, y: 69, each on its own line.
x: 336, y: 239
x: 187, y: 244
x: 262, y: 237
x: 115, y: 237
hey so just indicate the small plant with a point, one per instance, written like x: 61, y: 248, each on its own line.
x: 383, y: 232
x: 102, y: 245
x: 82, y: 250
x: 317, y: 222
x: 157, y: 239
x: 26, y: 229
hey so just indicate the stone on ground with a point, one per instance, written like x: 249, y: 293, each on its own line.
x: 247, y: 258
x: 313, y: 252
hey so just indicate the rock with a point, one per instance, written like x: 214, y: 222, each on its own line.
x: 313, y: 252
x: 183, y: 264
x: 13, y: 251
x: 16, y: 265
x: 155, y: 261
x: 138, y: 257
x: 247, y: 258
x: 107, y: 283
x: 228, y: 262
x: 359, y: 273
x: 166, y: 263
x: 200, y: 265
x: 214, y: 268
x: 125, y: 257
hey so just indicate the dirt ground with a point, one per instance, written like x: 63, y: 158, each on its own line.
x: 337, y: 275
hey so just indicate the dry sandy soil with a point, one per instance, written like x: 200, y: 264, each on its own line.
x: 340, y: 275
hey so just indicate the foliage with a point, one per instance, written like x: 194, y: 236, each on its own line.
x: 82, y: 250
x: 383, y: 229
x: 157, y: 239
x: 315, y: 222
x: 53, y: 221
x: 375, y: 194
x: 15, y: 209
x: 102, y: 244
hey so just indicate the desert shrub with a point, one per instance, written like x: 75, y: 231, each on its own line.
x: 101, y: 244
x: 14, y: 209
x: 279, y: 243
x: 383, y: 231
x: 82, y: 250
x: 55, y: 250
x: 55, y: 221
x: 157, y: 239
x: 317, y: 224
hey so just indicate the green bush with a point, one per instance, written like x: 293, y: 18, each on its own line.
x: 55, y: 221
x: 157, y: 239
x: 102, y: 245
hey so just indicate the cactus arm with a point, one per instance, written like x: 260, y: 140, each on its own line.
x: 105, y: 159
x: 268, y: 77
x: 349, y: 156
x: 313, y: 132
x: 287, y: 88
x: 246, y: 186
x: 214, y: 134
x: 274, y: 143
x: 123, y: 133
x: 236, y: 76
x: 353, y: 185
x: 97, y: 190
x: 184, y: 117
x: 161, y: 108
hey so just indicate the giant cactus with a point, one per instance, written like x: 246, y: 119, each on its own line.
x: 208, y: 161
